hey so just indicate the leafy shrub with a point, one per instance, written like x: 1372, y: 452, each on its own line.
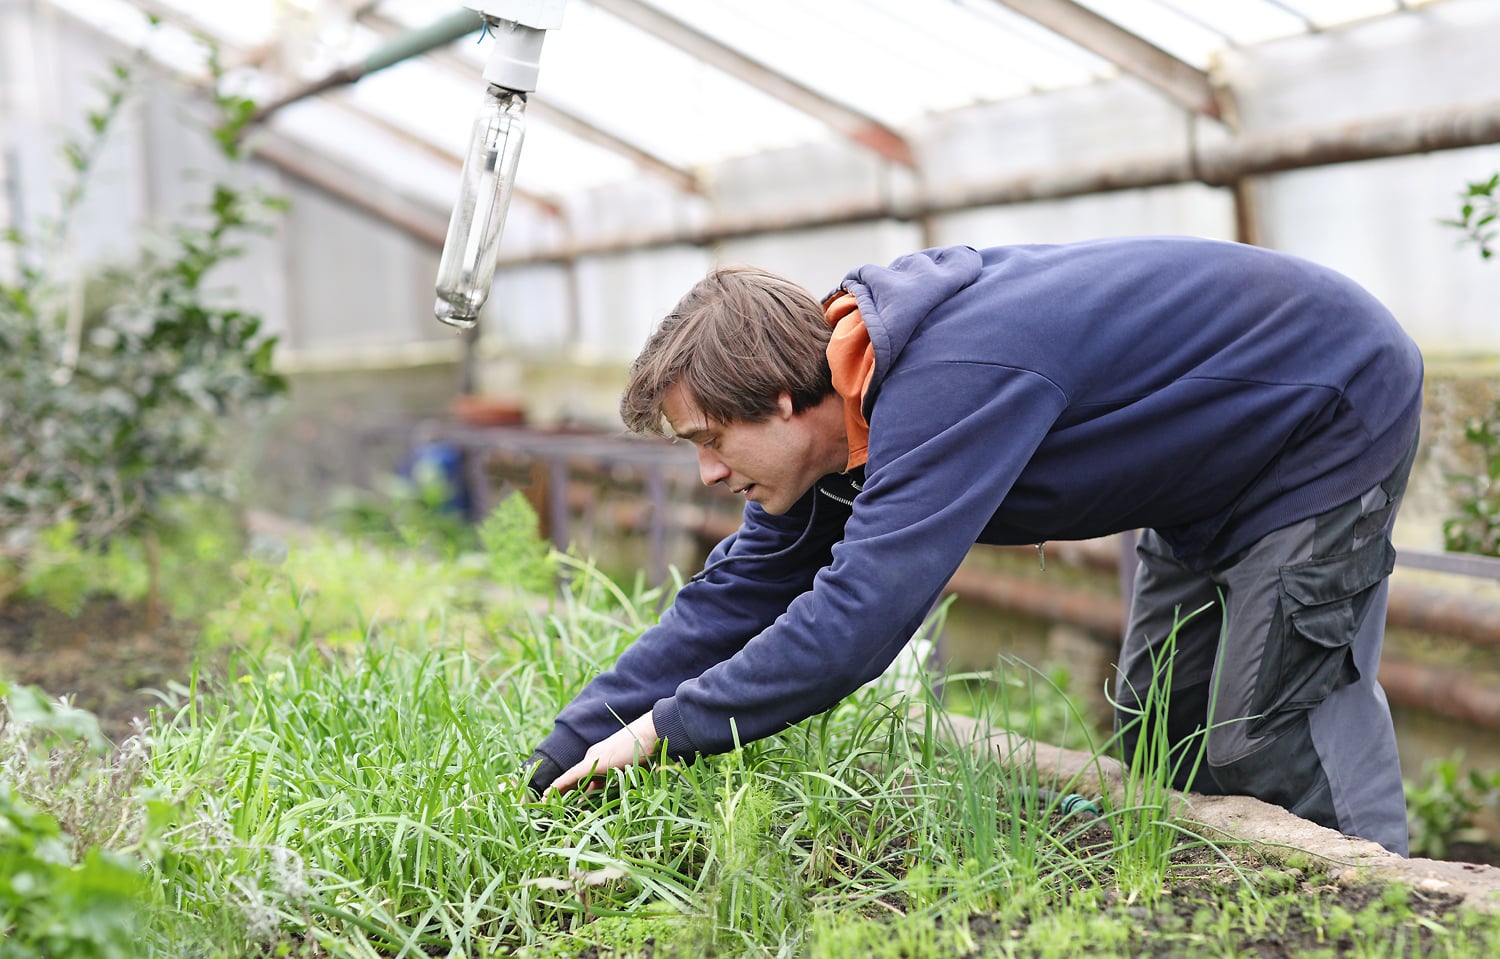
x: 1442, y: 806
x: 52, y: 906
x: 1476, y: 528
x: 1477, y: 213
x: 112, y: 410
x: 1476, y: 493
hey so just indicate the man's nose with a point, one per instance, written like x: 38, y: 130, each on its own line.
x: 711, y: 469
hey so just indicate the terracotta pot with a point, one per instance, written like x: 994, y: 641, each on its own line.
x: 487, y: 410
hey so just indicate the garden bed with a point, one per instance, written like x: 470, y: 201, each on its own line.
x: 348, y: 793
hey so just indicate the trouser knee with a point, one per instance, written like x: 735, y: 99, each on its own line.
x: 1285, y: 771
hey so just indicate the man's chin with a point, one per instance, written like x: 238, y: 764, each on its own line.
x: 778, y: 505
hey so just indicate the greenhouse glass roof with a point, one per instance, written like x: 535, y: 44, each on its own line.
x: 664, y: 87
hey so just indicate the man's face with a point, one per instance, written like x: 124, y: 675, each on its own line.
x: 772, y: 462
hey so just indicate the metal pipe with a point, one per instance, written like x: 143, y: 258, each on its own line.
x: 1476, y: 124
x: 415, y: 220
x: 573, y: 124
x: 439, y: 33
x: 1442, y: 691
x: 1439, y: 690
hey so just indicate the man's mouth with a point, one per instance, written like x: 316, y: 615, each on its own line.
x: 744, y: 489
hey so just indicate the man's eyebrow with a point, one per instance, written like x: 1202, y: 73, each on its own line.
x: 693, y: 435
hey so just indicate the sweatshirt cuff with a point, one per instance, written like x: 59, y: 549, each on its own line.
x: 667, y: 719
x: 560, y: 750
x: 541, y: 770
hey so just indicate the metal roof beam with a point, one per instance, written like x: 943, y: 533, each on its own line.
x: 1406, y: 134
x: 543, y: 203
x: 292, y: 159
x: 857, y: 126
x: 1182, y: 82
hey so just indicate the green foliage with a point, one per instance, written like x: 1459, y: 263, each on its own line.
x: 198, y: 544
x: 513, y: 550
x: 406, y: 513
x: 113, y: 409
x: 1145, y: 828
x: 1441, y: 806
x: 1021, y: 691
x: 339, y: 590
x: 1476, y: 492
x: 416, y: 514
x: 756, y: 896
x: 913, y: 936
x: 64, y: 893
x: 1478, y: 210
x: 358, y: 798
x: 52, y: 906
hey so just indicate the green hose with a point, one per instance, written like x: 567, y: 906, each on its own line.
x: 1068, y: 804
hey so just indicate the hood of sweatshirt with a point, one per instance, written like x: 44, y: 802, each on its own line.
x: 895, y: 299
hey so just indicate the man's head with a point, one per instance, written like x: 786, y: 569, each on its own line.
x: 740, y: 369
x: 739, y: 339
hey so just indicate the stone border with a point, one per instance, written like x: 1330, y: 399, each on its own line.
x: 1271, y: 831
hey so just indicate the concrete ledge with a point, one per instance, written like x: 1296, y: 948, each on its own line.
x: 1271, y: 831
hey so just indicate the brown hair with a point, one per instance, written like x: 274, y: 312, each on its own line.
x: 739, y: 339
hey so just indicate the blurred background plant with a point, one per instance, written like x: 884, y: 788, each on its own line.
x: 423, y: 506
x: 116, y: 390
x: 72, y: 819
x: 1478, y: 209
x: 1475, y: 489
x: 1442, y: 806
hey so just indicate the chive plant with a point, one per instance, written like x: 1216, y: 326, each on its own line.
x: 1147, y: 832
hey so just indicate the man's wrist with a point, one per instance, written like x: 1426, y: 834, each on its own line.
x: 644, y: 731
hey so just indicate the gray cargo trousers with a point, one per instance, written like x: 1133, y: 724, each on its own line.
x: 1274, y: 653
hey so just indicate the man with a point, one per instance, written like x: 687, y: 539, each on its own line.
x: 1254, y: 413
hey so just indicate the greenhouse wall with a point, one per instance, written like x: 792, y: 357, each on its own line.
x: 350, y: 291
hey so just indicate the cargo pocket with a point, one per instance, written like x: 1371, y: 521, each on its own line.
x: 1310, y: 652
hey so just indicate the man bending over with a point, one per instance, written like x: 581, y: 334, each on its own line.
x: 1253, y: 413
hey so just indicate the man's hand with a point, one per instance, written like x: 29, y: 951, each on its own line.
x: 624, y: 748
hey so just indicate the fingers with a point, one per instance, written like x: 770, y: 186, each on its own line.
x: 587, y: 769
x: 624, y: 748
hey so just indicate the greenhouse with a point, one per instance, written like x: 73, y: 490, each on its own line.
x: 711, y: 478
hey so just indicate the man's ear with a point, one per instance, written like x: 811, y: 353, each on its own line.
x: 785, y: 406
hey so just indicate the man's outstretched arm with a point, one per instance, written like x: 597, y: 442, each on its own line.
x: 709, y: 621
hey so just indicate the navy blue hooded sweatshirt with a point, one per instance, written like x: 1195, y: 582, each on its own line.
x: 1208, y: 390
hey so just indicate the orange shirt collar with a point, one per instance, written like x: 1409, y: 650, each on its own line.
x: 851, y: 358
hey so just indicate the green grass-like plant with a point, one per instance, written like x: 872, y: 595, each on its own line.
x: 348, y: 789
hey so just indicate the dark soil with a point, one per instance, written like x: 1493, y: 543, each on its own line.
x: 1190, y: 918
x: 107, y: 659
x: 1481, y: 852
x: 1197, y: 918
